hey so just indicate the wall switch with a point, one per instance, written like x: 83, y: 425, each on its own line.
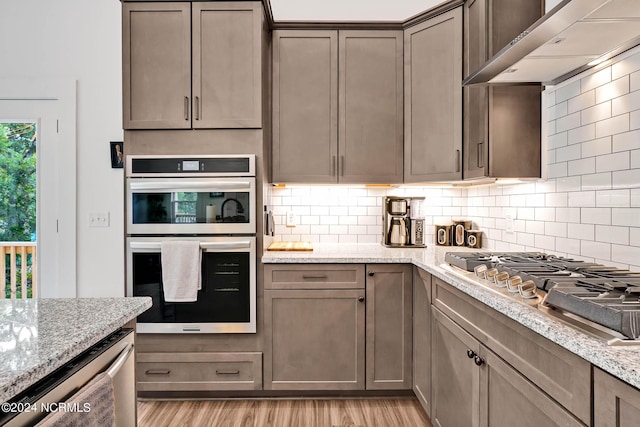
x: 508, y: 223
x: 291, y: 219
x: 98, y: 219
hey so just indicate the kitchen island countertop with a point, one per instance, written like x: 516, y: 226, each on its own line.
x: 622, y: 362
x: 39, y: 335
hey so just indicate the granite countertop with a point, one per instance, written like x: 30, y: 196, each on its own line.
x: 38, y: 336
x: 622, y: 362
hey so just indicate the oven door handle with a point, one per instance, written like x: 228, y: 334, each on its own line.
x: 183, y: 185
x: 240, y: 244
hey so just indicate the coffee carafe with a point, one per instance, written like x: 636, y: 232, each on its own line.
x: 398, y: 231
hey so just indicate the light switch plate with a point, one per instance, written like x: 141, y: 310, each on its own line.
x: 98, y: 219
x: 291, y: 219
x: 508, y: 223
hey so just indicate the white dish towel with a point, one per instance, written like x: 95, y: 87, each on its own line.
x: 181, y: 269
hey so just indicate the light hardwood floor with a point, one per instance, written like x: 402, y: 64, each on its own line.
x: 283, y: 413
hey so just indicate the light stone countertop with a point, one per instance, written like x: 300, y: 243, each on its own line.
x: 38, y: 336
x: 622, y: 362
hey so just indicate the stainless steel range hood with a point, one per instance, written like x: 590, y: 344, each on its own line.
x: 572, y: 37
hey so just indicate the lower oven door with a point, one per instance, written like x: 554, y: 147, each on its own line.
x: 225, y: 304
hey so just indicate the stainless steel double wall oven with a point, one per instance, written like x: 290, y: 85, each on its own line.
x: 211, y: 199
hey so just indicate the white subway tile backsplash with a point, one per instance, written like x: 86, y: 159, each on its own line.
x: 596, y: 147
x: 612, y: 90
x: 545, y: 243
x: 596, y: 181
x: 581, y: 167
x: 581, y: 134
x: 625, y: 217
x: 534, y: 227
x: 626, y: 179
x: 595, y: 249
x: 635, y: 81
x: 626, y: 141
x: 580, y: 102
x: 581, y: 199
x: 558, y: 140
x: 568, y: 246
x: 626, y: 103
x: 581, y: 231
x: 556, y: 199
x: 626, y: 66
x: 568, y: 91
x: 634, y: 120
x: 625, y: 254
x: 612, y: 162
x: 570, y: 121
x: 613, y: 198
x: 594, y: 80
x: 525, y: 239
x: 568, y: 215
x: 545, y: 214
x: 557, y: 229
x: 611, y: 234
x: 526, y: 213
x: 635, y: 159
x: 595, y: 216
x: 571, y: 152
x: 597, y: 112
x: 558, y: 110
x: 612, y: 126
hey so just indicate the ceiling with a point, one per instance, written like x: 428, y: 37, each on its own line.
x: 349, y: 10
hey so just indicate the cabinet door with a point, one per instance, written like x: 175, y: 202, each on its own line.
x: 389, y: 325
x: 314, y: 340
x: 422, y: 337
x: 227, y: 73
x: 433, y: 99
x: 508, y: 399
x: 305, y: 106
x: 156, y: 63
x: 615, y: 403
x: 456, y: 379
x: 370, y: 97
x: 475, y: 146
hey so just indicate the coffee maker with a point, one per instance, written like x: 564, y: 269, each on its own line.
x: 403, y: 222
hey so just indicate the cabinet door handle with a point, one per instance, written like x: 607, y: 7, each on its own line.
x: 229, y: 372
x: 480, y: 154
x: 479, y: 361
x: 314, y: 276
x: 157, y: 372
x: 341, y: 165
x: 197, y: 108
x: 470, y: 353
x: 361, y: 298
x: 333, y: 166
x: 371, y: 273
x: 186, y: 108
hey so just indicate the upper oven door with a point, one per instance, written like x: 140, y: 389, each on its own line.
x: 191, y: 206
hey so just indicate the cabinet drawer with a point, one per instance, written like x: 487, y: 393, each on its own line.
x: 314, y: 276
x: 561, y: 374
x: 199, y: 371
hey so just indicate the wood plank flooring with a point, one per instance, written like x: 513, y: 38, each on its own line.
x: 283, y: 413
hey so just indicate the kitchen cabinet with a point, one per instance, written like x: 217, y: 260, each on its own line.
x: 337, y: 123
x: 422, y: 337
x: 515, y: 361
x: 474, y: 387
x: 321, y: 318
x: 433, y: 99
x: 389, y: 327
x: 615, y: 403
x: 501, y: 124
x: 192, y: 65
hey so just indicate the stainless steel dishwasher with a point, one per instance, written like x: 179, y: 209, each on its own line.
x: 113, y: 355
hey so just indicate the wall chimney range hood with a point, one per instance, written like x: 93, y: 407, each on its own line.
x: 572, y: 37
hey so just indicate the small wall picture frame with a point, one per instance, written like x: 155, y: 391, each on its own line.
x: 117, y: 154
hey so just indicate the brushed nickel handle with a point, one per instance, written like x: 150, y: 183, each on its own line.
x: 157, y: 372
x: 229, y: 372
x: 457, y: 160
x: 197, y: 108
x: 314, y: 276
x: 341, y: 165
x: 333, y: 166
x: 480, y: 154
x: 186, y: 108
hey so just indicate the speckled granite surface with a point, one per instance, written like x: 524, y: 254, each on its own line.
x: 622, y: 362
x: 39, y: 335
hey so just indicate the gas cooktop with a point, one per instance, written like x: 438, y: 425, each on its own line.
x: 604, y: 295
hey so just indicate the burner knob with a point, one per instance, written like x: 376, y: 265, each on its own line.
x: 528, y: 289
x: 501, y: 279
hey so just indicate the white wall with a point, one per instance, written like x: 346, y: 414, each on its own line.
x: 79, y: 40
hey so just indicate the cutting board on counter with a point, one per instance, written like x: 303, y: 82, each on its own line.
x: 290, y: 246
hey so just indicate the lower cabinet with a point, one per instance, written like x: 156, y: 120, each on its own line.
x: 472, y: 386
x: 422, y: 337
x: 201, y: 371
x: 329, y: 328
x: 615, y: 403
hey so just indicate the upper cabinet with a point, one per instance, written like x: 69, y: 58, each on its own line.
x: 337, y: 124
x: 501, y: 125
x: 433, y: 99
x: 192, y: 65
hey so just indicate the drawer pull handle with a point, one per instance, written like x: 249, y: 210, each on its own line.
x: 314, y: 276
x: 230, y: 372
x: 479, y: 361
x: 471, y: 354
x: 157, y: 372
x: 361, y: 298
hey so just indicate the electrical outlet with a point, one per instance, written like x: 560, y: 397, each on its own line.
x: 98, y: 219
x: 508, y: 223
x: 291, y: 219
